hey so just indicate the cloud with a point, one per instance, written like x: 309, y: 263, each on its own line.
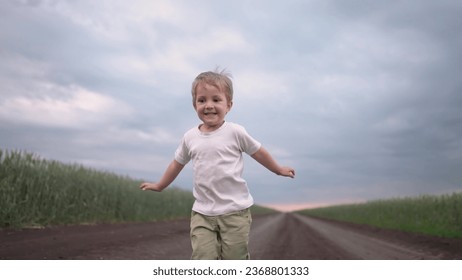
x: 70, y: 107
x: 361, y: 98
x: 260, y: 86
x: 115, y: 20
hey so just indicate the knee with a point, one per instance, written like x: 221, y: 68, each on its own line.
x: 235, y: 251
x: 204, y: 248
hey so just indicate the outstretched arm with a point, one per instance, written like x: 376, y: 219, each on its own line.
x: 265, y: 159
x: 173, y: 169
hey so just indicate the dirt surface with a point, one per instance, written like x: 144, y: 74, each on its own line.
x: 276, y: 236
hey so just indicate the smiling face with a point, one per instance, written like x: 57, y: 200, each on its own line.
x: 211, y: 105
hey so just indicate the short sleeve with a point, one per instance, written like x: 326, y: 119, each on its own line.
x: 246, y: 142
x: 182, y: 153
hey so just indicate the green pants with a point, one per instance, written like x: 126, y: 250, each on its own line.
x: 223, y: 237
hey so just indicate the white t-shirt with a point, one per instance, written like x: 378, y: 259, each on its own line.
x: 218, y: 164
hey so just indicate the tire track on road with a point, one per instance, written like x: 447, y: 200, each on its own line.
x: 362, y: 246
x: 284, y: 237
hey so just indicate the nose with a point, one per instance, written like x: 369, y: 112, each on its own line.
x: 209, y: 105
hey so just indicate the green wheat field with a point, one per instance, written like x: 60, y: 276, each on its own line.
x: 433, y: 215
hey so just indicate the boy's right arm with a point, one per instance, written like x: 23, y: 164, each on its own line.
x: 173, y: 169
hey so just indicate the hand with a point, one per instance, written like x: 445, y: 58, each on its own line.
x: 287, y: 172
x: 151, y: 187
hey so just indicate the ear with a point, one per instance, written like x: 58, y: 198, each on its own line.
x: 230, y: 105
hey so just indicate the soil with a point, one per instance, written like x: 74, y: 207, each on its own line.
x: 273, y: 237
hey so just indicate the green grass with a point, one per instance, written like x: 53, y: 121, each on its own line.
x: 37, y: 192
x: 260, y: 210
x: 433, y: 215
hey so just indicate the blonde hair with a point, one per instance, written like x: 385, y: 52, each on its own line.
x: 220, y: 79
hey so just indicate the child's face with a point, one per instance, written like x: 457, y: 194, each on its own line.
x: 211, y: 105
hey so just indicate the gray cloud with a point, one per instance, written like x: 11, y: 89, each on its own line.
x: 362, y: 98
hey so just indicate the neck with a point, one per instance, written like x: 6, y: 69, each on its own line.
x: 205, y: 128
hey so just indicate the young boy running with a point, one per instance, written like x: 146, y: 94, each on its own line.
x: 220, y: 218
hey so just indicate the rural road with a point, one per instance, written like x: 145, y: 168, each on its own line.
x: 278, y: 236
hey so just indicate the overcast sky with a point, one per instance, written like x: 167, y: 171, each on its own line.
x: 362, y: 98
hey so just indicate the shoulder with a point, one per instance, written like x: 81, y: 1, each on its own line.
x: 189, y: 136
x: 246, y: 142
x: 238, y: 130
x: 236, y: 127
x: 191, y: 132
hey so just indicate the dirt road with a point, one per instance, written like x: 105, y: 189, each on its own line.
x: 277, y: 236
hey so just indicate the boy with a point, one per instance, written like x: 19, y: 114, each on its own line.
x: 220, y: 218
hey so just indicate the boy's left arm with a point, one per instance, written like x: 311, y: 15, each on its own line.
x: 264, y: 158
